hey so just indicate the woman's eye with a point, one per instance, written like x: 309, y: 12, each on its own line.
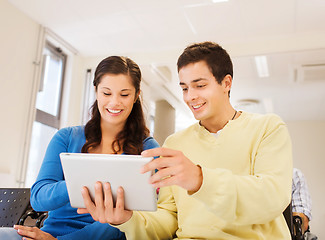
x: 124, y: 95
x: 201, y: 86
x: 184, y: 89
x: 107, y: 94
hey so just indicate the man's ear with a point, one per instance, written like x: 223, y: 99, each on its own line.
x: 227, y: 83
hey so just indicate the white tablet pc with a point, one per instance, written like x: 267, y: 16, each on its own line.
x: 83, y: 169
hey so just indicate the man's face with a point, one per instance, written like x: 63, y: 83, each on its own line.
x: 202, y: 93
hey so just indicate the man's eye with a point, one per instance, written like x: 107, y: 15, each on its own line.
x: 201, y: 86
x: 184, y: 89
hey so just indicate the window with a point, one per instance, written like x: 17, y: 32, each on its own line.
x: 48, y: 108
x: 89, y: 97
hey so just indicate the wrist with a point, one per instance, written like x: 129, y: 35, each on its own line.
x: 199, y: 180
x: 127, y: 216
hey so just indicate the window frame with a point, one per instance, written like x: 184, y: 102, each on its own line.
x: 44, y: 117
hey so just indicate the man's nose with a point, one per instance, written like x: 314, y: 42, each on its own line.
x: 191, y: 94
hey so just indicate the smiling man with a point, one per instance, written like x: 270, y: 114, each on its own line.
x: 226, y: 177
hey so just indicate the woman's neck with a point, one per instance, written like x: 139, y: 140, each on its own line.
x: 109, y: 134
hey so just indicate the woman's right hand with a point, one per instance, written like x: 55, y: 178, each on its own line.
x: 103, y: 209
x: 33, y: 233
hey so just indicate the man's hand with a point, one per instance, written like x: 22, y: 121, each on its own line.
x: 174, y: 169
x: 103, y: 209
x: 33, y: 233
x: 305, y: 220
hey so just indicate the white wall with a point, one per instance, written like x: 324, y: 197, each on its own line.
x: 18, y: 47
x: 73, y: 96
x: 18, y: 44
x: 308, y: 141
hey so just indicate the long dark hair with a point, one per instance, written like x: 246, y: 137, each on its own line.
x: 130, y: 138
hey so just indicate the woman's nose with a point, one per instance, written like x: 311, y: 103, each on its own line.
x: 115, y: 99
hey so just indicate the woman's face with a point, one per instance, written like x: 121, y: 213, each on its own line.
x: 115, y: 98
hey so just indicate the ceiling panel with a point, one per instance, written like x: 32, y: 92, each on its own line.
x: 166, y: 26
x: 310, y: 15
x: 290, y: 33
x: 215, y: 20
x: 266, y: 18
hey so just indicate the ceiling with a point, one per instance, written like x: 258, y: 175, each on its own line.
x: 290, y: 33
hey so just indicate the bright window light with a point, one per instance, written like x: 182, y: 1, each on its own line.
x: 262, y: 66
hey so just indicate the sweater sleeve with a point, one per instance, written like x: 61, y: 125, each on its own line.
x: 95, y: 231
x: 259, y: 197
x: 161, y: 224
x: 49, y: 192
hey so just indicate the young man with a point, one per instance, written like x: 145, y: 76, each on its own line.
x: 226, y: 177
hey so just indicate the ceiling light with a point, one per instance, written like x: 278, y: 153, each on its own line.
x: 262, y: 66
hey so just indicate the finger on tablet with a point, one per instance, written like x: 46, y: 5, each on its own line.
x: 82, y: 210
x: 87, y: 200
x: 154, y: 152
x: 158, y: 163
x: 120, y: 199
x: 108, y: 198
x: 162, y: 174
x: 99, y: 197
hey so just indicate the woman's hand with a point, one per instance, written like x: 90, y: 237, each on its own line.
x: 174, y: 169
x: 103, y: 209
x: 33, y: 233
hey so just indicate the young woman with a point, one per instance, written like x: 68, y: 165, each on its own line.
x: 117, y: 126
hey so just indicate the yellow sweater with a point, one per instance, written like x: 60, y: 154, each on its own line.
x: 247, y: 174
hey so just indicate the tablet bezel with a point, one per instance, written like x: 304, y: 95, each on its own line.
x: 83, y: 169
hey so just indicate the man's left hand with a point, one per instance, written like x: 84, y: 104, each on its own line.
x: 174, y: 169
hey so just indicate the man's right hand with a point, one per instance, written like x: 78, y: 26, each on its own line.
x: 103, y: 209
x: 305, y: 220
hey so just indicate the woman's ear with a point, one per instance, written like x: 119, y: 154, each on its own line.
x: 96, y: 92
x: 137, y: 96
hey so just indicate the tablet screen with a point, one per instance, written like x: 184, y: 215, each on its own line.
x: 83, y: 169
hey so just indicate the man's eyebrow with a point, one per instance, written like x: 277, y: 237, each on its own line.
x: 193, y: 81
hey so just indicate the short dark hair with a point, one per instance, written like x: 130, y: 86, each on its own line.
x: 217, y: 58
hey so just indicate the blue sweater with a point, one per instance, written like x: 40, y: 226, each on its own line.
x: 49, y: 192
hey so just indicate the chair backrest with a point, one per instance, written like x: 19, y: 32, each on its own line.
x: 288, y: 217
x: 13, y: 204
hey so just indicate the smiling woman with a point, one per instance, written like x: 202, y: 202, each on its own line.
x: 117, y: 106
x: 116, y: 126
x: 115, y: 97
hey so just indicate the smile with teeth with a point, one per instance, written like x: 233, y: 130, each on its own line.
x: 114, y: 111
x: 197, y: 106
